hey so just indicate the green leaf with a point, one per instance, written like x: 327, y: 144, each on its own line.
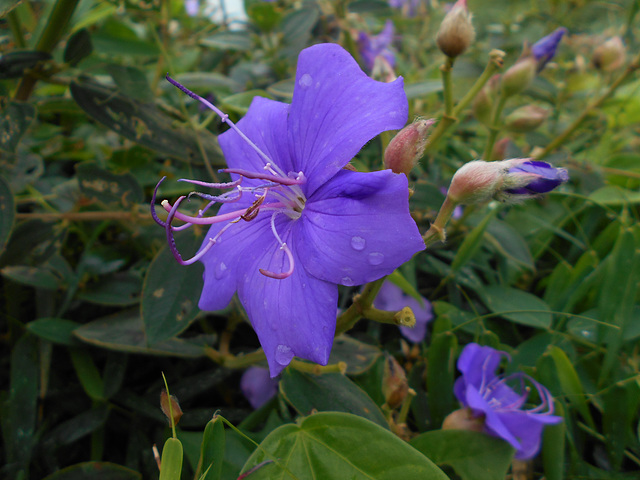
x: 15, y: 119
x: 116, y: 38
x: 171, y: 466
x: 131, y: 82
x: 518, y: 306
x: 328, y: 392
x: 370, y: 6
x: 170, y: 293
x: 7, y: 5
x: 553, y: 447
x: 14, y: 64
x: 473, y: 455
x: 265, y: 15
x: 108, y: 188
x: 95, y: 471
x: 87, y: 373
x: 240, y: 102
x: 339, y: 446
x: 212, y: 450
x: 422, y: 89
x: 124, y: 332
x: 120, y: 289
x: 358, y: 356
x: 297, y: 25
x: 509, y: 243
x: 7, y: 212
x: 229, y: 40
x: 37, y: 277
x: 77, y: 427
x: 78, y: 47
x: 473, y: 241
x: 612, y: 195
x: 441, y: 372
x: 56, y: 330
x: 144, y: 123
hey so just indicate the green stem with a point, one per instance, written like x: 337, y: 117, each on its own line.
x: 51, y: 35
x: 494, y: 129
x: 404, y: 411
x: 404, y: 317
x: 447, y: 86
x: 436, y: 232
x: 360, y: 303
x: 316, y: 369
x: 16, y: 29
x: 560, y: 139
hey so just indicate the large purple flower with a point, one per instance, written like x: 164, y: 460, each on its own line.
x: 489, y: 395
x: 391, y: 297
x: 297, y: 224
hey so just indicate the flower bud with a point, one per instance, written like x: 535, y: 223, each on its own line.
x: 406, y: 148
x: 170, y: 407
x: 463, y: 419
x: 545, y: 48
x: 394, y: 382
x: 610, y: 55
x: 456, y: 31
x: 526, y: 118
x: 507, y: 181
x: 483, y: 103
x: 519, y: 76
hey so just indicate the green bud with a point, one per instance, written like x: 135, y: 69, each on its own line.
x: 483, y: 103
x: 526, y: 118
x: 610, y: 56
x: 519, y: 76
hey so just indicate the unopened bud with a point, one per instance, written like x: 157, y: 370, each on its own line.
x: 610, y: 55
x: 456, y: 32
x: 170, y: 407
x: 519, y: 76
x: 394, y: 382
x: 483, y: 103
x: 526, y: 118
x: 545, y: 48
x: 406, y: 148
x: 463, y: 419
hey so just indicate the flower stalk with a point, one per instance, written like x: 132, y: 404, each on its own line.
x: 361, y: 302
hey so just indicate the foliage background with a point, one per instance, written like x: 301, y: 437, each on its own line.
x: 94, y: 308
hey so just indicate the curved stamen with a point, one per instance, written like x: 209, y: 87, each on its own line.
x: 265, y: 176
x: 172, y: 243
x: 224, y: 198
x: 211, y: 220
x: 233, y: 184
x: 283, y: 246
x: 154, y: 215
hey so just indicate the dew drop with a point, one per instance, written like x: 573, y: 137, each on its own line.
x: 284, y: 354
x: 376, y: 258
x: 358, y: 243
x: 221, y: 270
x: 346, y: 281
x: 305, y: 80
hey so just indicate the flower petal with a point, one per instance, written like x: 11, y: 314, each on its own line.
x: 257, y: 386
x: 528, y: 428
x: 357, y: 228
x: 478, y: 364
x: 336, y: 109
x: 294, y: 316
x: 265, y: 124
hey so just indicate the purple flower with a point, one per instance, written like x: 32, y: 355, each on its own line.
x: 257, y: 386
x: 192, y: 7
x: 391, y: 297
x: 409, y: 7
x: 545, y: 48
x: 489, y: 395
x: 543, y: 177
x: 374, y: 47
x: 295, y: 223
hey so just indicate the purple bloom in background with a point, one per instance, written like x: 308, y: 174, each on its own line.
x: 545, y: 48
x: 192, y: 7
x: 488, y: 395
x: 295, y: 223
x: 374, y: 46
x: 544, y: 177
x: 409, y: 7
x: 391, y: 297
x: 257, y: 386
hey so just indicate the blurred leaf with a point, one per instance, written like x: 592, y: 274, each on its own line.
x: 473, y: 455
x: 441, y: 372
x: 87, y: 373
x: 131, y: 82
x: 205, y: 80
x: 125, y: 333
x: 27, y: 237
x: 553, y: 447
x: 615, y: 196
x: 397, y: 279
x: 95, y: 471
x: 358, y: 356
x: 98, y: 12
x: 15, y: 119
x: 339, y: 445
x: 115, y: 38
x: 108, y: 188
x: 77, y: 427
x: 36, y: 277
x: 328, y: 392
x: 212, y: 450
x: 13, y: 64
x: 422, y: 89
x: 120, y: 289
x: 617, y: 420
x: 56, y: 330
x: 78, y: 47
x: 283, y: 88
x: 264, y: 15
x: 7, y: 5
x: 473, y: 241
x: 296, y: 29
x: 143, y: 123
x: 369, y: 6
x: 8, y: 213
x: 518, y: 306
x: 509, y: 243
x: 228, y: 40
x: 239, y: 103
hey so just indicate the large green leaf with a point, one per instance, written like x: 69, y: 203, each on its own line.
x: 328, y: 392
x: 108, y: 188
x: 358, y: 356
x: 15, y: 118
x: 8, y: 209
x: 518, y: 306
x: 473, y: 455
x: 95, y: 471
x: 339, y: 446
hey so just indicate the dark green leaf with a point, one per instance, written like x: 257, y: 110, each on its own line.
x: 339, y: 446
x: 553, y: 447
x: 518, y: 306
x: 95, y: 471
x: 370, y: 6
x: 296, y: 28
x: 228, y: 40
x: 14, y: 64
x: 116, y: 38
x: 77, y: 427
x: 108, y: 188
x: 87, y: 373
x: 441, y: 372
x: 358, y: 356
x: 37, y: 277
x: 212, y: 450
x: 328, y: 392
x: 15, y: 119
x: 131, y: 82
x: 473, y: 455
x: 56, y: 330
x: 119, y: 289
x: 265, y: 15
x: 7, y: 212
x: 78, y: 47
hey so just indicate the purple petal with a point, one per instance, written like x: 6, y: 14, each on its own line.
x: 357, y: 228
x: 295, y: 316
x: 265, y: 124
x: 257, y: 386
x: 549, y: 177
x: 336, y: 109
x: 528, y: 428
x: 493, y: 420
x: 478, y: 364
x: 391, y: 297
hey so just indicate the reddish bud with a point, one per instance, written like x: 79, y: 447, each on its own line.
x: 170, y: 407
x: 406, y: 148
x: 456, y: 31
x: 394, y: 382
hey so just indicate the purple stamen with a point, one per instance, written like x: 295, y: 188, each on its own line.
x: 172, y: 243
x: 280, y: 276
x: 264, y: 176
x: 210, y: 220
x: 233, y: 184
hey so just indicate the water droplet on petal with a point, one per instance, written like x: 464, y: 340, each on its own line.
x: 284, y: 354
x: 376, y: 258
x: 220, y: 271
x: 346, y: 281
x: 358, y: 243
x: 305, y: 80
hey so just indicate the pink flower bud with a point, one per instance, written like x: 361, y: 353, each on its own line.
x: 610, y: 55
x: 526, y: 118
x: 406, y: 148
x: 519, y: 76
x: 456, y: 31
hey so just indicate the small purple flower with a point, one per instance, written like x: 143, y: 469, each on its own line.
x: 409, y: 7
x: 373, y: 47
x: 488, y: 395
x: 257, y: 386
x: 296, y: 224
x: 192, y: 7
x: 545, y: 48
x: 391, y: 297
x: 543, y: 177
